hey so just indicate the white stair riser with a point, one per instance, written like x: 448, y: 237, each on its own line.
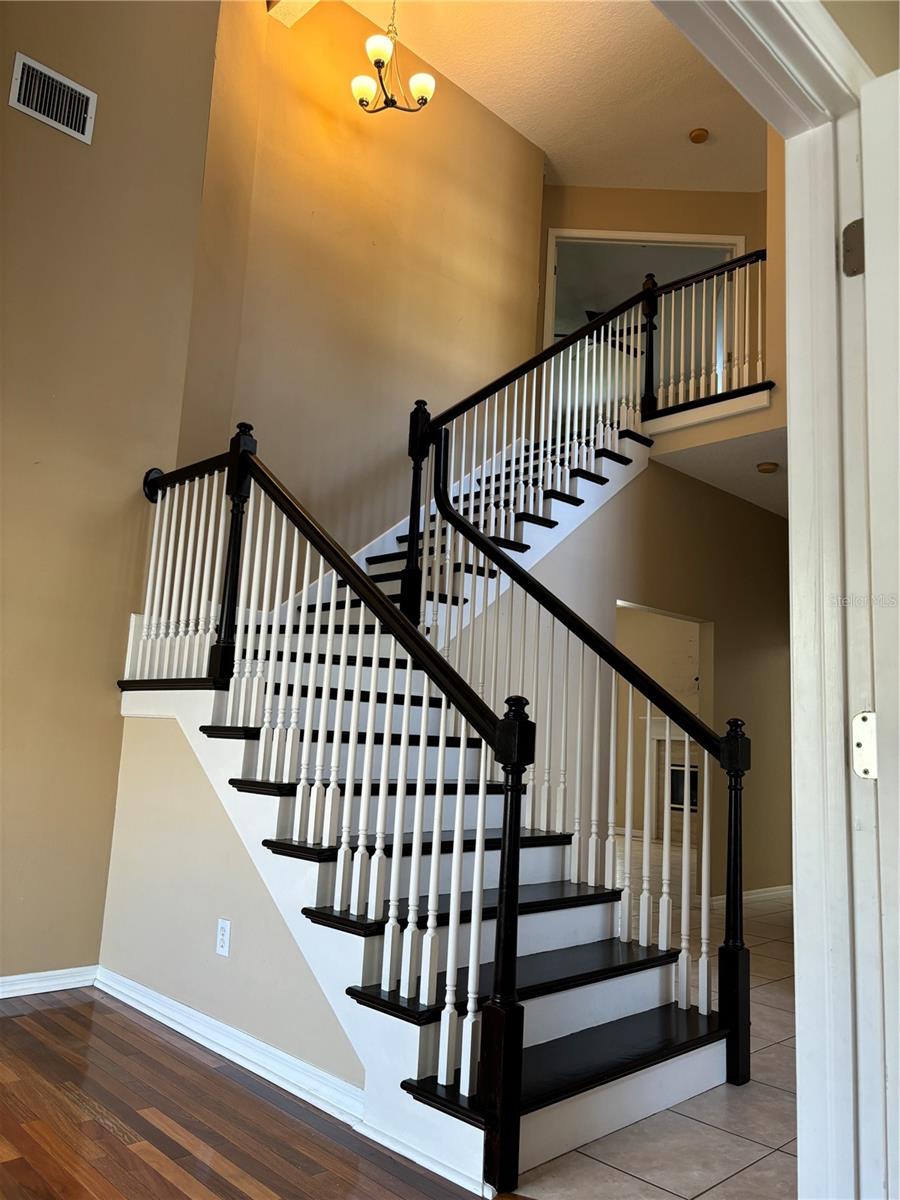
x: 494, y: 814
x: 557, y: 1015
x: 539, y: 864
x: 555, y: 1130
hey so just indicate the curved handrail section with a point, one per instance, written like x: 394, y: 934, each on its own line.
x: 604, y: 649
x: 156, y: 481
x: 466, y: 700
x: 502, y: 381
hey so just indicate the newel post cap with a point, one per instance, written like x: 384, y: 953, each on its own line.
x: 516, y: 734
x: 735, y: 747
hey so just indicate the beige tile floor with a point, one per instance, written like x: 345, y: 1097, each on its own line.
x: 731, y: 1143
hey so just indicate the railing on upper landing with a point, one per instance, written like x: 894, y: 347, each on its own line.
x: 619, y: 762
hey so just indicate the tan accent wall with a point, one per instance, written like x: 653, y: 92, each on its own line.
x: 389, y: 257
x: 672, y: 543
x: 873, y: 26
x: 98, y: 252
x: 177, y: 866
x: 759, y: 216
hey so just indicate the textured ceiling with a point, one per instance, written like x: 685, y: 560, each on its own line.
x: 608, y: 90
x: 731, y: 466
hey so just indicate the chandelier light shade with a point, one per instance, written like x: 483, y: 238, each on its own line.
x: 381, y: 49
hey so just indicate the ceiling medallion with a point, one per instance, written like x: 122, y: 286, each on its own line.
x: 382, y: 51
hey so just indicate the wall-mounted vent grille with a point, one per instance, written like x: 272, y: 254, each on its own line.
x: 52, y: 98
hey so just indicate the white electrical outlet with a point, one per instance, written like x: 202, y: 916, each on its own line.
x: 223, y: 938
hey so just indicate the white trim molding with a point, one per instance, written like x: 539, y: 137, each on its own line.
x: 33, y: 983
x: 335, y: 1096
x: 720, y: 410
x: 788, y: 58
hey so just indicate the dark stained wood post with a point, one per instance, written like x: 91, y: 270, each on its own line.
x: 503, y: 1017
x: 649, y: 309
x: 734, y: 957
x: 237, y: 486
x: 411, y: 583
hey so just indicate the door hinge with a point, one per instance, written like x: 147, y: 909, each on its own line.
x: 853, y: 250
x: 864, y: 745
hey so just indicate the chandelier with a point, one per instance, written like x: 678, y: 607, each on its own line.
x: 382, y: 51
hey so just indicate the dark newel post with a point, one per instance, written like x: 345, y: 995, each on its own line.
x: 734, y: 957
x: 411, y: 583
x: 649, y: 309
x: 237, y: 486
x: 503, y: 1018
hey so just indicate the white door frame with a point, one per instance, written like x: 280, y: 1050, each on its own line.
x: 795, y: 66
x: 736, y: 243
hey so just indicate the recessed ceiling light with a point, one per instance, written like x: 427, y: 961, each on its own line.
x: 698, y: 136
x: 767, y: 468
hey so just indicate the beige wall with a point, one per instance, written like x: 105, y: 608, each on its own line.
x: 177, y: 866
x: 98, y: 249
x: 389, y: 257
x: 672, y: 543
x: 873, y: 26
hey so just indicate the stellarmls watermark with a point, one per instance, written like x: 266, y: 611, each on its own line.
x: 865, y: 600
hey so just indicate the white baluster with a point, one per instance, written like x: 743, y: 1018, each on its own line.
x: 535, y: 452
x: 254, y: 617
x: 575, y: 863
x: 665, y: 899
x: 214, y: 593
x: 703, y: 377
x: 682, y: 394
x: 513, y: 451
x: 360, y: 883
x: 344, y: 870
x: 242, y: 612
x: 759, y: 322
x: 646, y: 909
x: 393, y: 945
x: 332, y: 807
x: 562, y: 797
x: 275, y: 757
x: 198, y: 578
x: 714, y: 358
x: 148, y: 628
x: 546, y: 789
x: 378, y: 864
x: 172, y: 647
x: 684, y: 958
x: 292, y: 741
x: 692, y: 383
x: 431, y: 942
x: 625, y: 905
x: 610, y: 871
x: 412, y: 937
x: 745, y: 272
x: 470, y: 1042
x: 160, y: 649
x: 448, y: 1037
x: 317, y: 791
x: 672, y: 378
x: 594, y: 857
x: 266, y: 731
x: 188, y: 584
x: 309, y: 698
x: 594, y: 410
x: 726, y: 348
x: 704, y: 980
x: 533, y: 820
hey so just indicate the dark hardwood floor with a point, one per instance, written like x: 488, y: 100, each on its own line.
x: 98, y: 1101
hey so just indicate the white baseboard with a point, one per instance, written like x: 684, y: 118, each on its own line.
x: 335, y: 1096
x: 35, y: 982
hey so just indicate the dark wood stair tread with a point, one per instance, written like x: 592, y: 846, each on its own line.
x: 590, y: 476
x: 264, y: 787
x: 632, y: 435
x: 613, y: 456
x: 533, y: 898
x: 563, y: 497
x: 568, y: 1066
x: 537, y: 974
x: 504, y: 543
x: 236, y: 733
x: 290, y: 848
x: 537, y: 519
x: 200, y: 684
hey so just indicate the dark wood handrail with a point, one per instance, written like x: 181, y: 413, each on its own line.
x: 710, y: 272
x: 502, y: 381
x: 156, y: 481
x: 482, y: 718
x: 620, y: 663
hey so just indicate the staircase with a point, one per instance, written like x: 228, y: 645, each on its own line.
x: 519, y: 963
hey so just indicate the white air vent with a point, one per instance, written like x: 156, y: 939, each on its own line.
x: 53, y: 99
